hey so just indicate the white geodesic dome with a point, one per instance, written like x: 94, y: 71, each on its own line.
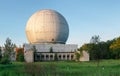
x: 47, y: 26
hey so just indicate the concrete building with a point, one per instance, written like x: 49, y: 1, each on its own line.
x: 48, y: 52
x: 47, y: 31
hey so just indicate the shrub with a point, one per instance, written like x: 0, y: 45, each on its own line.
x: 77, y: 54
x: 20, y: 55
x: 5, y: 60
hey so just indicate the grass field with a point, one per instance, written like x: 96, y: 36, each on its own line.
x: 62, y: 68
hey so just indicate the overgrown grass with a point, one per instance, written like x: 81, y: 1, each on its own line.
x: 62, y: 68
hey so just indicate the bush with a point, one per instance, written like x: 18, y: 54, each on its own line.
x: 77, y: 56
x: 5, y: 60
x: 35, y: 69
x: 20, y: 55
x: 20, y: 58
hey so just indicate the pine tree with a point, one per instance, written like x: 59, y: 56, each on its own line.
x: 9, y: 49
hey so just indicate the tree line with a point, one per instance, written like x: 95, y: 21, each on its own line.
x: 102, y: 50
x: 97, y: 50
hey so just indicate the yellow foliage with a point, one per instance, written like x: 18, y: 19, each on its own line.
x: 116, y: 44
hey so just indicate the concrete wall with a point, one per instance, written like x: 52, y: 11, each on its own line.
x: 51, y: 56
x: 29, y: 56
x: 40, y: 56
x: 55, y: 47
x: 85, y: 56
x: 60, y: 49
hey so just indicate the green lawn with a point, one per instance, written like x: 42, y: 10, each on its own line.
x: 62, y: 68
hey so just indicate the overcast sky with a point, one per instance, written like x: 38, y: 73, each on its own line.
x: 85, y: 18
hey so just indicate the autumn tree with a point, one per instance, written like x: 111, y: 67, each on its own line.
x: 115, y: 48
x: 20, y: 55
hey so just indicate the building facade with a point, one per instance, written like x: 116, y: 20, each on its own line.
x: 47, y: 32
x: 49, y: 52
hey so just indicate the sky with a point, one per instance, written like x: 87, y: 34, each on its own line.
x: 86, y: 18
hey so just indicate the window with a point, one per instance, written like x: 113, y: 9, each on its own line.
x: 51, y: 56
x: 42, y: 56
x: 63, y: 56
x: 46, y: 56
x: 59, y: 56
x: 71, y: 56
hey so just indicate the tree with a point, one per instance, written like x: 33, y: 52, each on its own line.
x: 110, y: 53
x: 0, y: 53
x: 104, y: 50
x: 89, y: 48
x: 95, y: 39
x: 94, y: 51
x: 86, y: 47
x: 77, y: 55
x: 51, y: 50
x: 115, y: 48
x: 56, y: 58
x: 9, y: 49
x: 14, y: 45
x: 93, y: 48
x: 101, y: 50
x: 20, y: 55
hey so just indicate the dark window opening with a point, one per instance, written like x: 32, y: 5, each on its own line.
x: 42, y: 56
x: 71, y: 56
x: 63, y: 56
x: 46, y: 56
x: 59, y: 56
x: 51, y: 56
